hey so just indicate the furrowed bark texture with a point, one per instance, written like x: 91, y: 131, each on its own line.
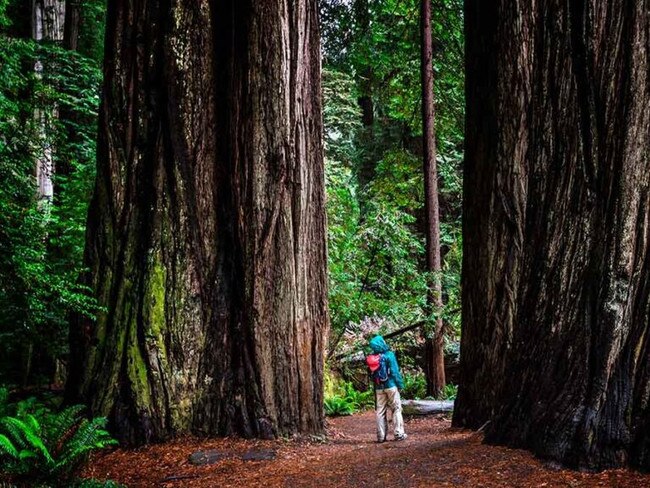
x: 556, y: 279
x: 206, y: 234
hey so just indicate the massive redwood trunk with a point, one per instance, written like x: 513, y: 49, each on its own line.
x: 206, y: 237
x: 434, y: 343
x: 556, y: 281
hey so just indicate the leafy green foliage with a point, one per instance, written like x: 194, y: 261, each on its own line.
x: 39, y: 445
x: 337, y: 406
x: 449, y: 392
x: 374, y: 252
x: 362, y: 399
x: 346, y: 400
x: 374, y: 173
x: 415, y: 386
x: 42, y: 243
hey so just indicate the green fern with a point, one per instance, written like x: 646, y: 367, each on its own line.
x: 30, y: 406
x: 13, y: 432
x: 31, y: 437
x: 336, y: 406
x: 362, y: 399
x: 89, y: 436
x: 48, y: 447
x: 61, y: 425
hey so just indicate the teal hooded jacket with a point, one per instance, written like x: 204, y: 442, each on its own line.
x: 379, y: 346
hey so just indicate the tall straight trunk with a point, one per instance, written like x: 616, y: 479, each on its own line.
x: 434, y: 345
x: 206, y: 233
x: 555, y: 349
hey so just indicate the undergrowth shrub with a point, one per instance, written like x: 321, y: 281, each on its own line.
x: 415, y: 386
x: 449, y: 392
x: 344, y: 399
x: 338, y: 406
x: 40, y: 447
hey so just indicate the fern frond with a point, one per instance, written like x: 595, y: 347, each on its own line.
x: 14, y: 432
x: 33, y: 438
x: 7, y: 447
x: 90, y: 435
x: 61, y: 424
x: 25, y: 454
x: 33, y: 423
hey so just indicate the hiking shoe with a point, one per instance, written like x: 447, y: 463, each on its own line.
x: 401, y: 437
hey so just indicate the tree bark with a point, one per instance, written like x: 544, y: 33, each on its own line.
x: 556, y: 290
x: 206, y: 235
x: 434, y: 345
x: 71, y: 27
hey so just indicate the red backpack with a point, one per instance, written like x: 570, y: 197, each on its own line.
x: 378, y: 366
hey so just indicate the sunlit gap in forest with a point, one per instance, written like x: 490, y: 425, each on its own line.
x: 379, y: 277
x: 236, y: 232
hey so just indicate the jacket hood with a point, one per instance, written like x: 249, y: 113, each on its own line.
x: 378, y: 345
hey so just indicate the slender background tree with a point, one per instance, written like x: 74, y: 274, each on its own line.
x: 434, y: 343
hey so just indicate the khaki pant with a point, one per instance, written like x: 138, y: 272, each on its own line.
x: 389, y: 399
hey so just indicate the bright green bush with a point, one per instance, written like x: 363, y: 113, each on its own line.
x: 363, y: 399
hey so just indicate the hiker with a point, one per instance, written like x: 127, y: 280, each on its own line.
x: 387, y: 379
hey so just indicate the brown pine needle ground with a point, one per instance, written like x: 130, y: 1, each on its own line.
x: 434, y: 455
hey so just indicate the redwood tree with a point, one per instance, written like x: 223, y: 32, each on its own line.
x: 555, y: 350
x: 434, y: 345
x: 206, y: 234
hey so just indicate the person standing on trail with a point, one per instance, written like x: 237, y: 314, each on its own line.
x: 387, y: 379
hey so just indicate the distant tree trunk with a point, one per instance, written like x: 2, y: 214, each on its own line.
x: 47, y: 22
x: 365, y: 87
x: 556, y: 289
x: 434, y: 346
x: 206, y: 234
x: 71, y: 27
x: 67, y: 115
x: 48, y: 18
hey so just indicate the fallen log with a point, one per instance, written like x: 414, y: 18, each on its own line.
x: 427, y: 407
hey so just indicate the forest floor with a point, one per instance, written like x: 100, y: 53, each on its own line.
x: 434, y: 455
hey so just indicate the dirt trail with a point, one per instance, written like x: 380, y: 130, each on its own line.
x: 434, y: 455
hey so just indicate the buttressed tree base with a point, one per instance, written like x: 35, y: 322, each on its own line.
x: 206, y: 234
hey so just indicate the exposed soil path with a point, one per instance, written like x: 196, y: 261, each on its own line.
x: 434, y: 455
